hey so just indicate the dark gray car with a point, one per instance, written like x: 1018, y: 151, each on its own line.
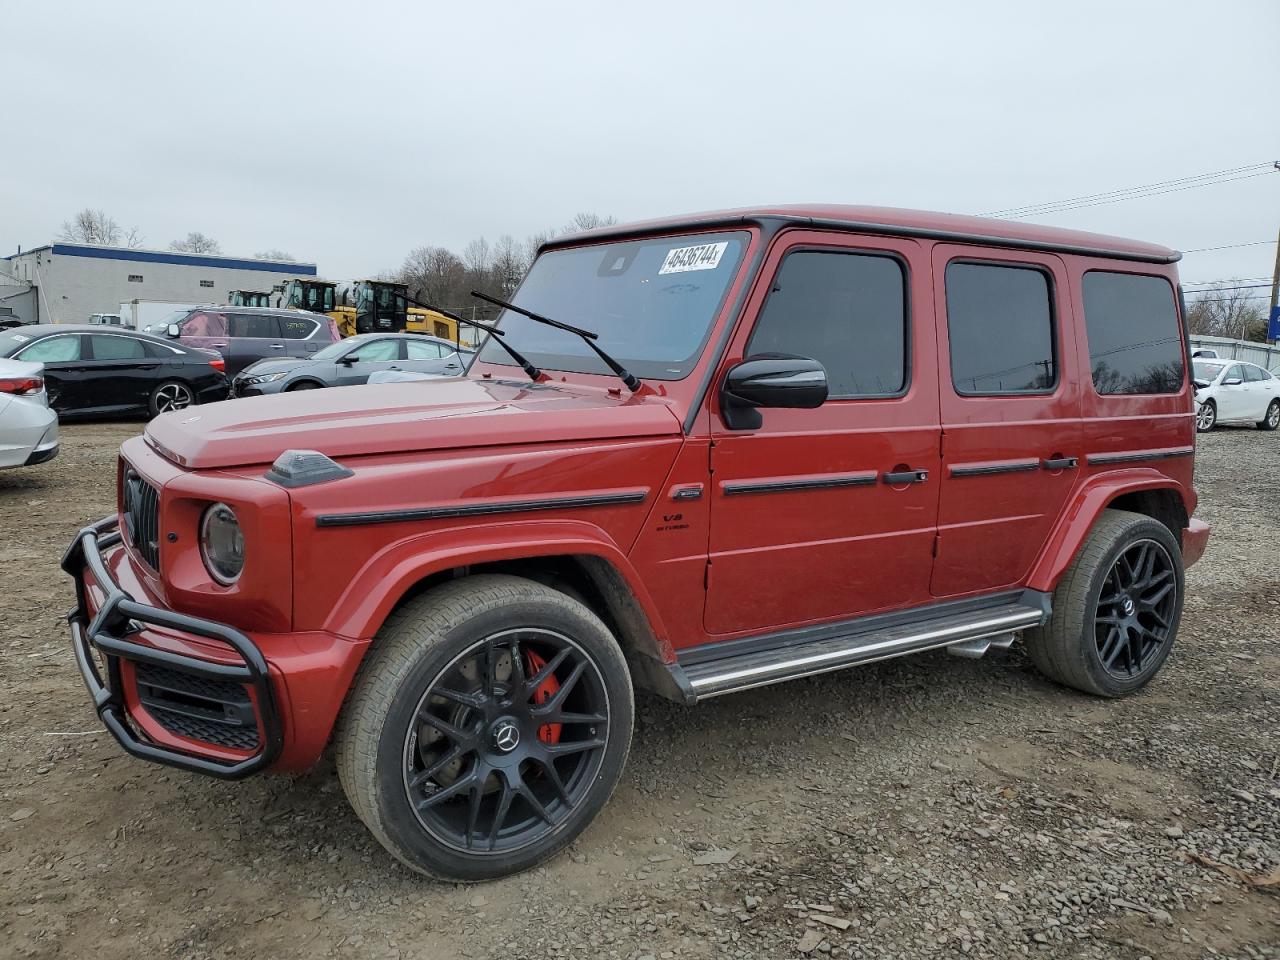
x: 351, y: 361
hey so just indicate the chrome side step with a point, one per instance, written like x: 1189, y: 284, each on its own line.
x: 968, y: 631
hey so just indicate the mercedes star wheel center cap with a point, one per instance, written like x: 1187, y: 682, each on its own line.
x: 506, y: 736
x: 1128, y: 607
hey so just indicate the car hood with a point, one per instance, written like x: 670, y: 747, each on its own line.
x: 282, y: 365
x: 403, y: 417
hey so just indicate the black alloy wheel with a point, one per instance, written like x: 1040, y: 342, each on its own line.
x: 1136, y: 609
x: 506, y: 741
x: 169, y: 396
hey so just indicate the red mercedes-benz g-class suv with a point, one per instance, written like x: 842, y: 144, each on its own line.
x: 700, y: 455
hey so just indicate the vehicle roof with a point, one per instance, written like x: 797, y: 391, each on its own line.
x: 42, y: 329
x: 901, y: 222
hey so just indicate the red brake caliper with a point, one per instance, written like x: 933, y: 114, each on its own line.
x: 548, y: 732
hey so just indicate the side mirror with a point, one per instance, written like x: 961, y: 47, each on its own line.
x: 348, y: 360
x: 1233, y: 382
x: 173, y: 330
x: 771, y: 381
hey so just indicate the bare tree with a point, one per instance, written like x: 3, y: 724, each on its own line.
x: 509, y: 265
x: 133, y: 237
x: 589, y: 221
x: 1226, y: 310
x: 274, y: 254
x: 196, y: 242
x: 91, y: 226
x: 435, y: 274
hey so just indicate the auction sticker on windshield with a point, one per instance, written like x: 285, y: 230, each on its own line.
x: 704, y: 256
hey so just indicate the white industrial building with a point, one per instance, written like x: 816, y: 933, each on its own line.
x: 66, y: 282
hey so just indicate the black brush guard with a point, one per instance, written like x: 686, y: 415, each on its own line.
x: 121, y: 615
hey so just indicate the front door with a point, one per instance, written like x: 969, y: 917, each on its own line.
x: 66, y: 369
x: 830, y: 513
x: 366, y: 359
x: 1232, y: 395
x: 1010, y: 401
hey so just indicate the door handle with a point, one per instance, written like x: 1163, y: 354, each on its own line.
x: 894, y: 477
x: 218, y: 346
x: 277, y: 346
x: 1060, y: 463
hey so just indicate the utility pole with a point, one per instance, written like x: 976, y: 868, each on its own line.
x: 1273, y: 317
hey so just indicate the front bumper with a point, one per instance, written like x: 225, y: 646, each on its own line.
x: 108, y: 631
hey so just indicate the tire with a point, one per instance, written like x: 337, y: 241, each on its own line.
x: 171, y: 395
x: 1271, y: 419
x: 1206, y: 417
x: 1103, y: 646
x: 303, y: 385
x: 470, y: 777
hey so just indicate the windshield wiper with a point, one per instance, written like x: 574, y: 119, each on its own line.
x: 587, y: 336
x: 533, y: 372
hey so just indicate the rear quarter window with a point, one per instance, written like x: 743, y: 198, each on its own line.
x: 297, y: 328
x: 1135, y: 342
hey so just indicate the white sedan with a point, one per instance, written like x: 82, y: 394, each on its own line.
x: 28, y: 428
x: 1233, y: 390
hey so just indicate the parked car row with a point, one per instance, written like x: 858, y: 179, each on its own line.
x: 206, y: 355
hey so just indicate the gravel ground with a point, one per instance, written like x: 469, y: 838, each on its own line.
x: 929, y: 806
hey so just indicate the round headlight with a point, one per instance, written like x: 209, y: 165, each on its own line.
x: 222, y: 544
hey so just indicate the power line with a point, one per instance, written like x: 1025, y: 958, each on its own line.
x: 1197, y: 283
x: 1233, y: 246
x: 1144, y: 190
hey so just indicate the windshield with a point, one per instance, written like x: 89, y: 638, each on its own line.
x: 651, y: 301
x: 1206, y: 370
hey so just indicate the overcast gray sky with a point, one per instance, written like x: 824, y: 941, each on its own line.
x: 348, y: 133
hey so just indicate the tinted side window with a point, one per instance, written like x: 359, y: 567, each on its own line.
x: 1000, y: 325
x: 259, y: 325
x: 378, y: 350
x: 1251, y: 373
x: 1135, y: 344
x: 117, y: 348
x: 205, y: 325
x: 847, y: 311
x: 423, y: 350
x: 51, y: 350
x: 1235, y: 373
x: 296, y: 328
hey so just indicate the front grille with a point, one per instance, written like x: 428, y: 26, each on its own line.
x: 213, y: 711
x: 142, y: 517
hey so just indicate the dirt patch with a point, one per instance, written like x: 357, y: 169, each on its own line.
x: 927, y: 806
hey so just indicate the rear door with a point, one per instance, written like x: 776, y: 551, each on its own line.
x: 1010, y: 404
x: 428, y: 356
x: 830, y: 513
x: 1256, y: 391
x: 252, y: 336
x: 122, y: 372
x: 297, y: 332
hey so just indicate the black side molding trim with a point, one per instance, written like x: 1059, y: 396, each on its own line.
x: 987, y: 469
x: 1136, y: 456
x: 734, y: 488
x: 481, y: 509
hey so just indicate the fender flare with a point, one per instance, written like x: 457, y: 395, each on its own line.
x: 1090, y: 499
x: 389, y: 574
